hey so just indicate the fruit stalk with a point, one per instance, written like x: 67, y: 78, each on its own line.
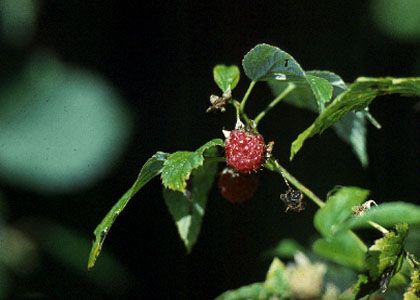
x: 273, y: 165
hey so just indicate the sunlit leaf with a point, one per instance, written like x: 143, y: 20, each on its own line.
x: 338, y: 208
x: 357, y: 97
x: 179, y: 165
x: 149, y: 170
x: 268, y: 62
x: 384, y: 255
x: 413, y: 292
x: 226, y: 77
x: 383, y: 260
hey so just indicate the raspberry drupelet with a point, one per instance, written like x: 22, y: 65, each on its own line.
x: 245, y: 151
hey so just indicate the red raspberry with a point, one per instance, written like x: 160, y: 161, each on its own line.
x: 236, y: 187
x: 244, y: 150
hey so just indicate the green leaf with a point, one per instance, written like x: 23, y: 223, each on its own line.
x: 350, y: 294
x: 285, y: 248
x: 276, y: 282
x: 338, y: 208
x: 358, y: 96
x: 253, y: 291
x: 344, y: 248
x: 275, y: 286
x: 303, y: 96
x: 383, y: 260
x: 179, y: 165
x: 336, y: 81
x: 387, y: 214
x: 226, y: 77
x: 265, y: 61
x: 150, y: 169
x: 322, y: 90
x: 413, y: 292
x: 352, y: 126
x: 188, y: 208
x: 385, y: 255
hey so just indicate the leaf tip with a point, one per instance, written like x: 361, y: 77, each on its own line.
x: 94, y: 252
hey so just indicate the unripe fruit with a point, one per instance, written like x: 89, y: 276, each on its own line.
x: 245, y: 151
x: 236, y: 187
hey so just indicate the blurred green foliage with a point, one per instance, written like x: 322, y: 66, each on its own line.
x: 18, y: 20
x: 399, y: 19
x: 61, y: 127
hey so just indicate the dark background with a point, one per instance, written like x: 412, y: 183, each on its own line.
x: 160, y: 55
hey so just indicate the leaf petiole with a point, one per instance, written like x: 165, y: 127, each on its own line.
x: 290, y: 87
x: 244, y: 99
x: 382, y: 229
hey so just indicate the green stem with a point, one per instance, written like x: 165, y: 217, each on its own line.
x: 373, y: 121
x: 378, y: 227
x: 237, y: 104
x: 290, y: 87
x: 273, y: 165
x: 244, y: 99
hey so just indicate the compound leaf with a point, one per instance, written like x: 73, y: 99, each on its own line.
x: 226, y: 77
x: 357, y: 97
x: 265, y: 62
x: 351, y: 128
x: 179, y: 165
x: 150, y: 169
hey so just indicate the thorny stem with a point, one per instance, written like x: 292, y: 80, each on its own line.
x: 275, y: 166
x: 290, y: 87
x: 244, y: 99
